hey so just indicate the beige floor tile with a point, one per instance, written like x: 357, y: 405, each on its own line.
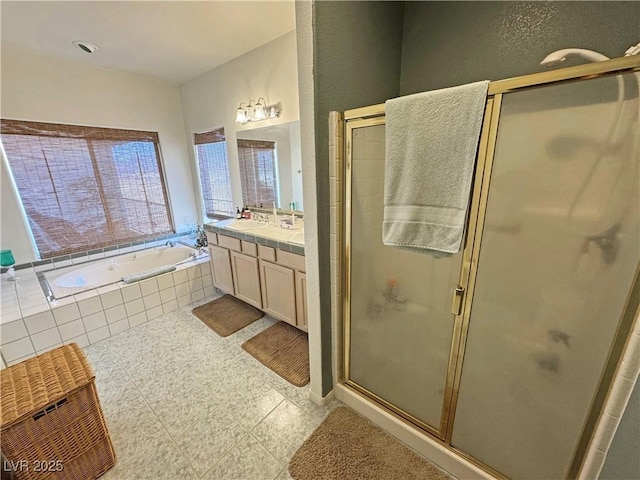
x: 284, y: 430
x: 248, y: 460
x: 179, y: 402
x: 252, y: 411
x: 207, y: 441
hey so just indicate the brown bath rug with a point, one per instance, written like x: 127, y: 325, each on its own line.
x: 346, y: 445
x: 227, y: 315
x: 284, y: 349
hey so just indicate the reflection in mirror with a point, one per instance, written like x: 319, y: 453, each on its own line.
x: 271, y: 166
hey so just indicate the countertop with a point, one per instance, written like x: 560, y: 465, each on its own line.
x: 269, y: 235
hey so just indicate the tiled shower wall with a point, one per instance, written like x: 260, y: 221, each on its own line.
x: 94, y: 315
x: 336, y: 205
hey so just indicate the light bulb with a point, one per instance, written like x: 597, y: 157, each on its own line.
x: 250, y: 112
x: 241, y: 114
x: 259, y: 110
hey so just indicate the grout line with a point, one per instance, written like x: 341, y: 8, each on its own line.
x: 265, y: 448
x: 264, y: 418
x: 286, y: 467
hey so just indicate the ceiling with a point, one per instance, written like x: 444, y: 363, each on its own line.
x: 173, y: 41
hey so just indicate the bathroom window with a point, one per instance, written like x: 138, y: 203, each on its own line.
x: 87, y: 187
x: 258, y: 172
x: 211, y: 148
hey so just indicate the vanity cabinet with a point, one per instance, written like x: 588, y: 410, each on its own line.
x: 221, y: 267
x: 246, y: 278
x: 278, y: 291
x: 270, y: 279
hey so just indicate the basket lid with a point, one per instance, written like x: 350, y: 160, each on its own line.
x: 37, y: 382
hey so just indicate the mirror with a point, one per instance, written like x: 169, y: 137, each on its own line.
x: 271, y: 166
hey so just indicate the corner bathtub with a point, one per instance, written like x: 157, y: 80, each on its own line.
x: 96, y: 274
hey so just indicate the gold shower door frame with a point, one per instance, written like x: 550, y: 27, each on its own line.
x: 375, y: 115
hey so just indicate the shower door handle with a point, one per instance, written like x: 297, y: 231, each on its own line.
x: 458, y: 295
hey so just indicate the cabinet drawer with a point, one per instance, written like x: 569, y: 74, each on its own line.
x: 267, y: 253
x: 291, y: 260
x: 249, y: 248
x: 212, y: 238
x: 230, y: 243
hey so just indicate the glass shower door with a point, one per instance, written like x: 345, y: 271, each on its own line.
x: 401, y: 324
x: 560, y: 248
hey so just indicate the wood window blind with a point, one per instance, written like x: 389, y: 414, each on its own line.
x: 211, y: 149
x: 258, y: 172
x: 86, y: 187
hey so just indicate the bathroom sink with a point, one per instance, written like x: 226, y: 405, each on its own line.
x: 242, y: 225
x: 267, y: 230
x: 297, y: 238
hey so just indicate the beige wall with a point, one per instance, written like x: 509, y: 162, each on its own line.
x: 44, y: 89
x: 211, y: 100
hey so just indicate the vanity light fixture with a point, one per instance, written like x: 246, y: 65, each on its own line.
x: 256, y: 111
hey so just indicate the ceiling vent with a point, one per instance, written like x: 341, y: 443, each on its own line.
x: 86, y: 46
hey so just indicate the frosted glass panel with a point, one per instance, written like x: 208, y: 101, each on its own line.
x: 559, y: 250
x: 400, y: 336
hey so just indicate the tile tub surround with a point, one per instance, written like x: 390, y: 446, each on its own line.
x: 182, y: 402
x: 30, y: 325
x: 252, y: 236
x: 109, y: 251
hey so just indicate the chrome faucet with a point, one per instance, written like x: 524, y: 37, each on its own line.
x: 200, y: 251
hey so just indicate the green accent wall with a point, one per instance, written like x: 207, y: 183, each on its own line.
x: 357, y: 51
x: 366, y: 52
x: 623, y: 458
x: 452, y: 43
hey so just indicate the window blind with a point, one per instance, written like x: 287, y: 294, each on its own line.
x: 211, y: 149
x: 259, y: 176
x: 86, y: 187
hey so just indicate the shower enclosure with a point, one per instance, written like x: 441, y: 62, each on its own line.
x: 505, y: 351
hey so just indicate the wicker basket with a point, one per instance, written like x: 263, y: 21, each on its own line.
x: 52, y: 426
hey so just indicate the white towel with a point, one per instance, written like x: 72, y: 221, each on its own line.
x: 431, y: 144
x: 136, y: 277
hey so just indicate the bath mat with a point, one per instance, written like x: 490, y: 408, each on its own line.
x: 284, y: 349
x: 346, y: 445
x: 227, y: 315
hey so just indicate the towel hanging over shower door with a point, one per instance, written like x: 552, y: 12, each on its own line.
x: 431, y: 143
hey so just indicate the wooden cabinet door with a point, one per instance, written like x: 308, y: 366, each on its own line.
x: 301, y: 301
x: 278, y: 291
x: 221, y: 267
x: 246, y: 278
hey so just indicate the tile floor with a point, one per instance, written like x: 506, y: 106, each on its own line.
x: 182, y: 402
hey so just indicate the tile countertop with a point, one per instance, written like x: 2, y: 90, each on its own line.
x: 271, y: 236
